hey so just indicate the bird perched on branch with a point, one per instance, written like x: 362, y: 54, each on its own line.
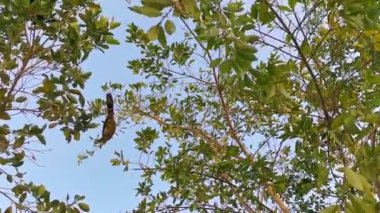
x: 109, y: 124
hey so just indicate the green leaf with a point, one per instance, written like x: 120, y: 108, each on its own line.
x: 114, y: 25
x: 189, y: 8
x: 4, y: 115
x: 252, y: 39
x: 288, y: 38
x: 9, y: 178
x: 19, y: 142
x: 339, y: 121
x: 79, y: 197
x: 111, y: 40
x: 214, y: 63
x: 373, y: 118
x: 77, y: 136
x: 157, y: 3
x: 162, y: 37
x: 147, y: 11
x: 357, y: 180
x: 376, y: 40
x: 41, y: 138
x: 264, y: 15
x: 285, y: 8
x: 84, y: 207
x: 226, y: 66
x: 292, y: 3
x: 22, y: 198
x: 323, y: 175
x: 4, y: 129
x: 21, y: 99
x: 331, y: 209
x: 363, y: 204
x: 270, y: 92
x: 169, y: 27
x: 305, y: 47
x: 153, y: 33
x: 4, y: 77
x: 52, y: 125
x: 245, y: 53
x: 8, y: 210
x: 48, y: 86
x: 81, y: 100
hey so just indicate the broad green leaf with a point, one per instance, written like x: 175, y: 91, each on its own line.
x: 226, y: 66
x: 153, y: 33
x: 331, y: 209
x: 270, y: 92
x: 4, y: 115
x: 9, y: 178
x: 112, y: 40
x: 4, y: 77
x: 357, y: 180
x: 81, y: 100
x: 4, y: 130
x: 339, y: 121
x: 305, y: 47
x: 147, y: 11
x: 285, y: 8
x: 22, y: 198
x: 162, y: 37
x: 214, y: 63
x: 84, y: 207
x: 252, y: 39
x: 114, y: 25
x: 362, y: 205
x: 8, y: 210
x: 77, y: 136
x: 169, y: 27
x: 157, y: 4
x: 48, y: 86
x: 373, y: 118
x: 21, y: 99
x: 323, y: 175
x: 265, y: 16
x: 376, y: 40
x: 19, y: 142
x: 160, y: 2
x: 41, y: 138
x: 189, y: 8
x: 292, y: 3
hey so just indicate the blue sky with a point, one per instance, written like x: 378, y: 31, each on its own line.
x: 107, y: 188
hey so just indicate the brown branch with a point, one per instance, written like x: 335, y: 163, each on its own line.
x: 304, y: 60
x: 197, y: 132
x: 284, y: 208
x: 188, y: 76
x: 23, y: 69
x: 225, y: 108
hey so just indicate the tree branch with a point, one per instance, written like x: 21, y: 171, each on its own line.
x: 304, y: 60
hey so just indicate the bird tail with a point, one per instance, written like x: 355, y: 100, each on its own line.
x: 109, y: 102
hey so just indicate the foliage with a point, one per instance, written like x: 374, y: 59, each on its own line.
x: 231, y: 128
x: 42, y: 43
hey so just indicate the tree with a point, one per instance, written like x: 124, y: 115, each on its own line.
x: 256, y: 106
x: 42, y: 44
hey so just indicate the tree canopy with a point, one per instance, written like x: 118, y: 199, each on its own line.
x: 42, y: 44
x: 245, y: 106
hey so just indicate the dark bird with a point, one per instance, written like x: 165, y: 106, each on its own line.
x: 109, y: 124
